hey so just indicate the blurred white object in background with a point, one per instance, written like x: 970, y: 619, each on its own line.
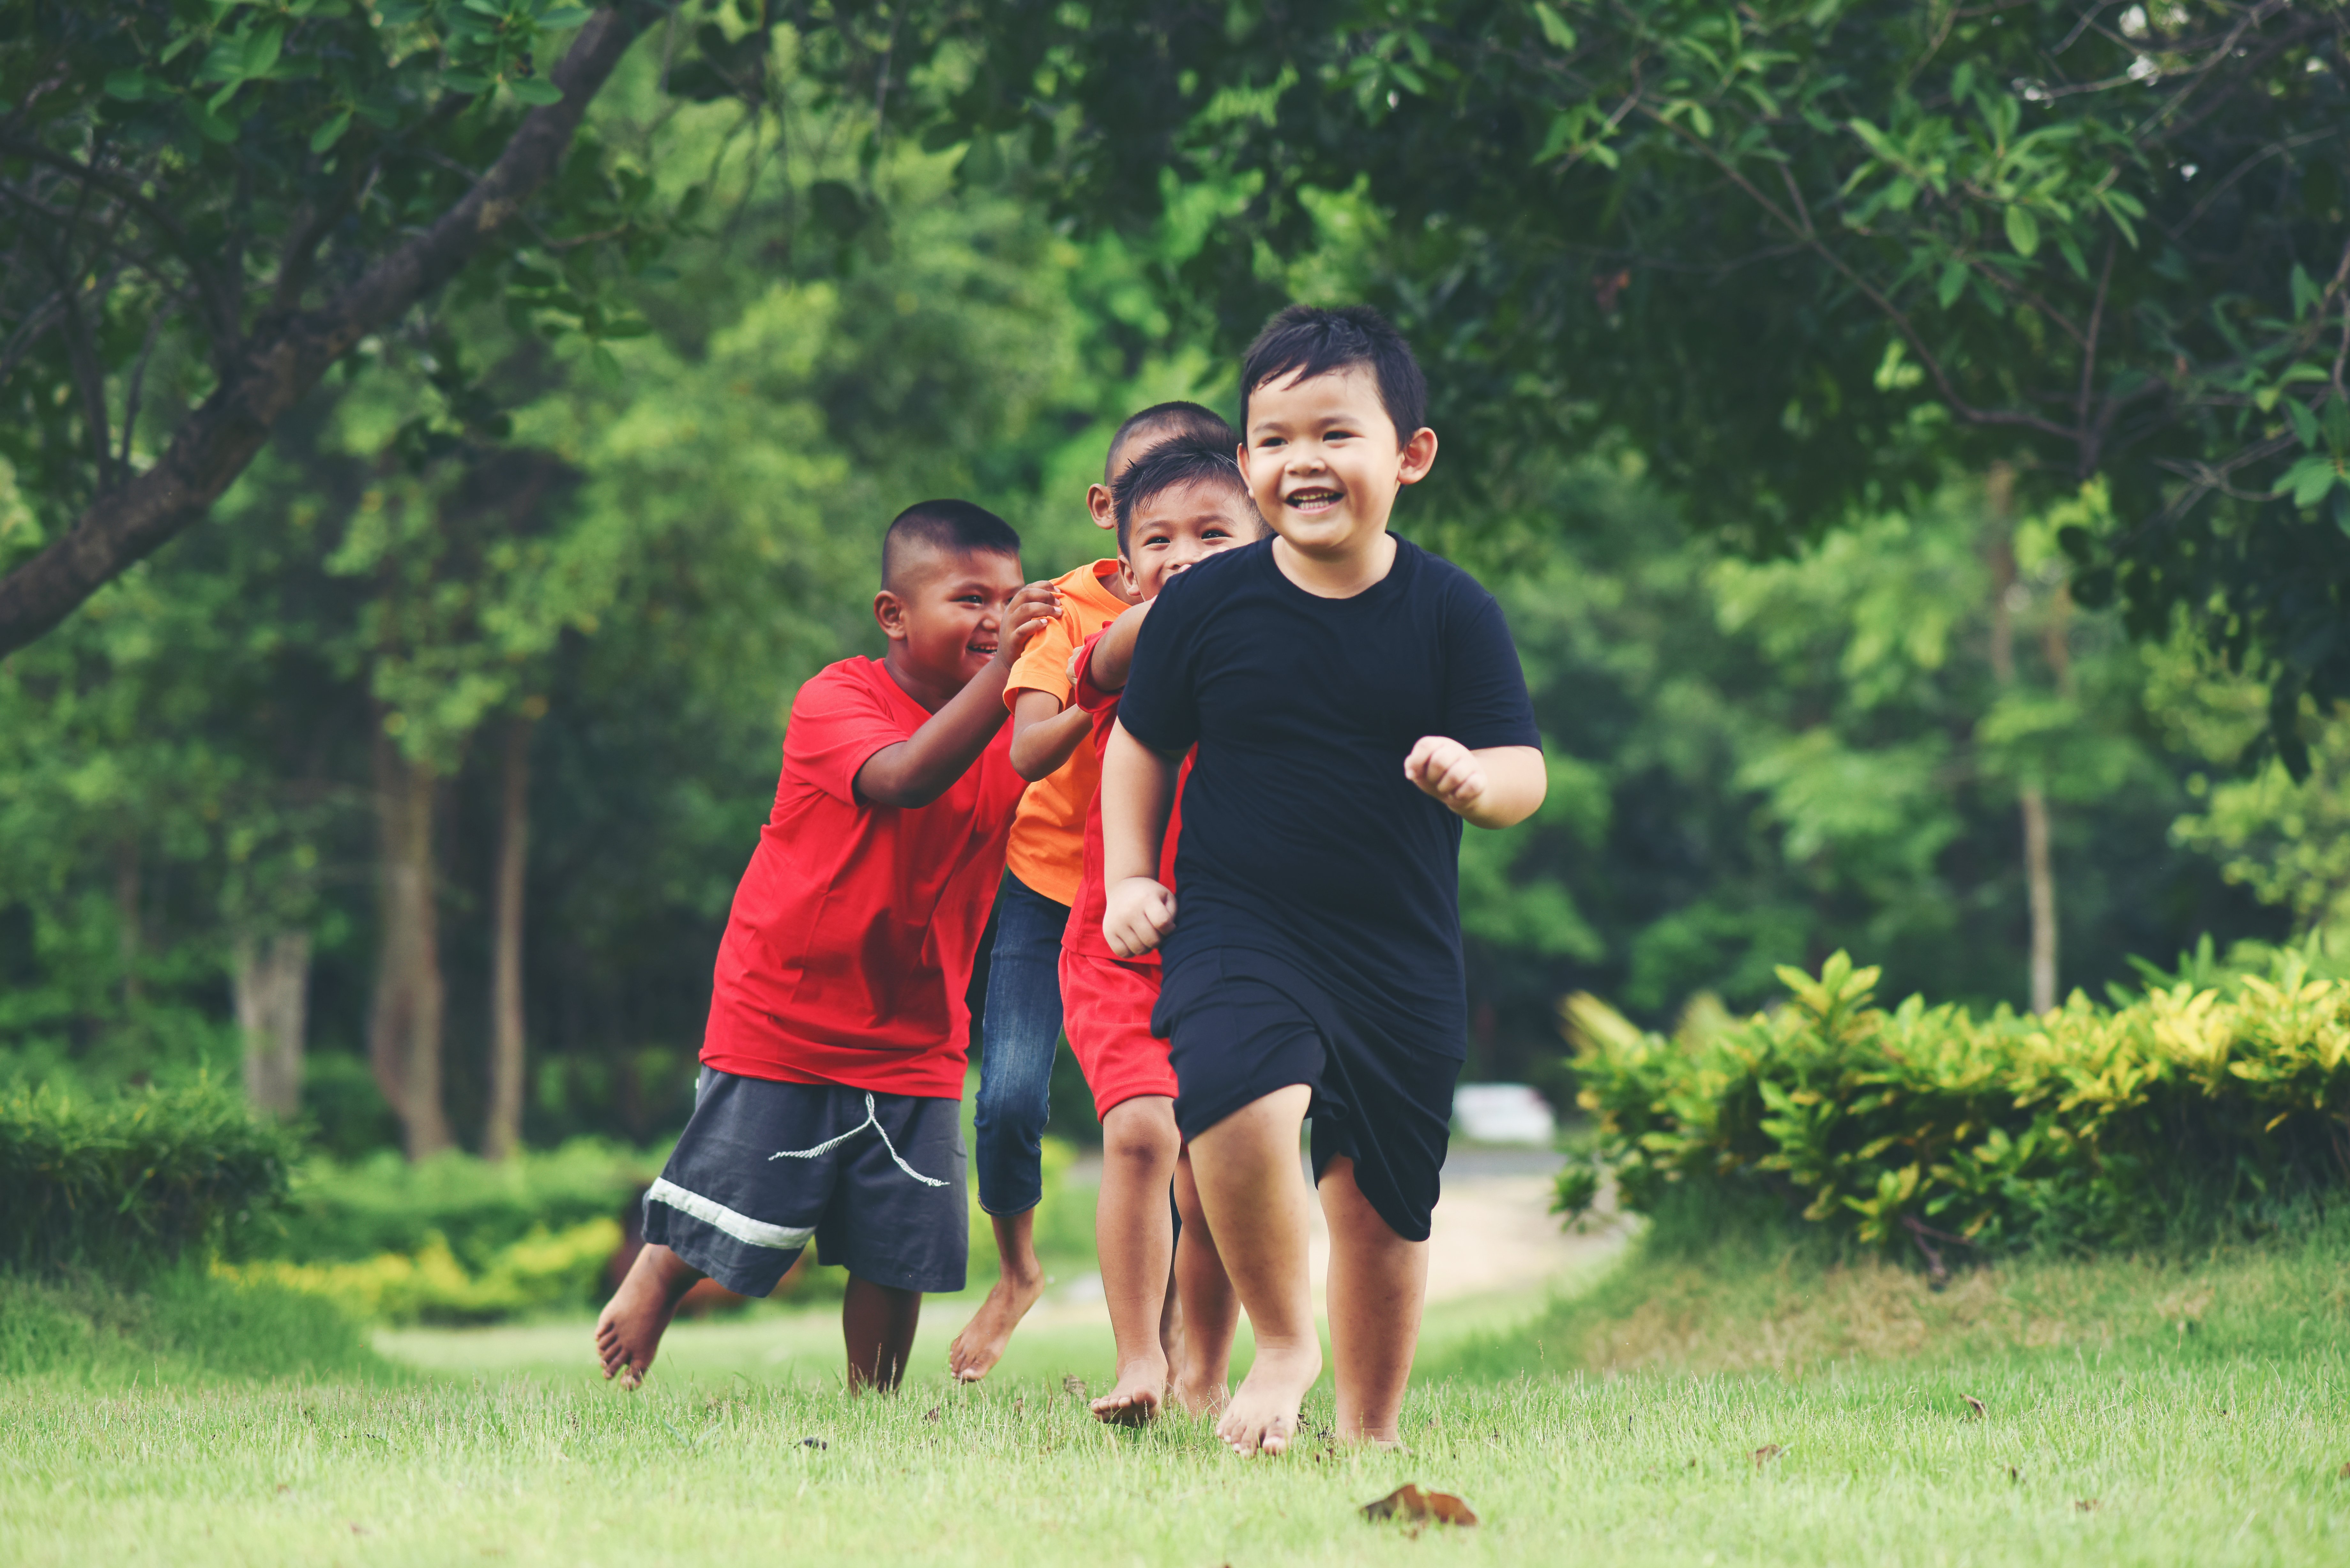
x: 1502, y: 1113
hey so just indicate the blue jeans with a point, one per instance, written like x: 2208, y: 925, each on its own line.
x: 1018, y: 1034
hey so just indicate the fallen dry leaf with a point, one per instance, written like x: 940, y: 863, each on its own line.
x: 931, y: 1414
x: 1977, y: 1406
x: 814, y: 1443
x: 1074, y: 1385
x: 1766, y: 1453
x: 2013, y: 1474
x: 2343, y: 1474
x: 2088, y: 1505
x: 1410, y: 1504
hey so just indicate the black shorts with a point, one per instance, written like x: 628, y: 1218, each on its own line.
x: 1239, y: 1025
x: 764, y: 1168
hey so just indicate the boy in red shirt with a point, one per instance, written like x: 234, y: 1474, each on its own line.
x: 1020, y: 1027
x: 833, y: 1063
x: 1177, y: 505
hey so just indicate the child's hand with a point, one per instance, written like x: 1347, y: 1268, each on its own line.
x: 1032, y: 609
x: 1449, y: 770
x: 1141, y: 913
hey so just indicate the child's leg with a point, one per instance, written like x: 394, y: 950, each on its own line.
x: 1247, y: 1170
x: 1018, y: 1033
x: 879, y: 1324
x: 634, y: 1321
x: 1379, y: 1283
x: 1134, y: 1233
x: 1211, y: 1311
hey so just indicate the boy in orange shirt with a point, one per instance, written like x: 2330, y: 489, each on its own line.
x: 1021, y: 1024
x: 1179, y: 505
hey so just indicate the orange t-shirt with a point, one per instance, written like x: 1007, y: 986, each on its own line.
x: 1047, y: 850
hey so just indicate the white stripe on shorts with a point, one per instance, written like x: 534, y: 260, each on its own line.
x: 742, y: 1227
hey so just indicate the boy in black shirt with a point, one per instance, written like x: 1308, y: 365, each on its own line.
x: 1353, y: 699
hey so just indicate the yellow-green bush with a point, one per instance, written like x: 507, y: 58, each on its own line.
x: 544, y: 1270
x: 2086, y: 1126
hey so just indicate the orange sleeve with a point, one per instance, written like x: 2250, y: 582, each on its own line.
x: 1044, y: 664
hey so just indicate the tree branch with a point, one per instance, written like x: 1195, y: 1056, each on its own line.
x: 273, y: 371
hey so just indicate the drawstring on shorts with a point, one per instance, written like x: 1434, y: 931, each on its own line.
x: 872, y: 1119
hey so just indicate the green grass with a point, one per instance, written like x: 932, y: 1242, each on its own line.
x: 2215, y: 1443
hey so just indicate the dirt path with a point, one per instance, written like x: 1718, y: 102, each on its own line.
x: 1493, y: 1235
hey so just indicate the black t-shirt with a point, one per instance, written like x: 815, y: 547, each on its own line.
x: 1301, y: 838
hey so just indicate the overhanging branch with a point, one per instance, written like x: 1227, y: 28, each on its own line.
x: 275, y: 368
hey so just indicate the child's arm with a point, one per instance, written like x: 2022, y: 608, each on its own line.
x: 1114, y: 650
x: 1497, y: 787
x: 1043, y: 734
x: 923, y: 767
x: 1138, y: 792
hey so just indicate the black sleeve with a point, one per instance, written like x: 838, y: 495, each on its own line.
x: 1485, y: 701
x: 1160, y: 706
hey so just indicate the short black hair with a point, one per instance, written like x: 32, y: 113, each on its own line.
x: 954, y: 526
x: 1171, y: 419
x: 1313, y: 341
x: 1186, y: 459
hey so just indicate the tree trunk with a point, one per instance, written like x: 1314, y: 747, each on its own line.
x: 404, y: 1025
x: 272, y: 981
x: 127, y: 935
x: 2039, y: 871
x: 503, y: 1135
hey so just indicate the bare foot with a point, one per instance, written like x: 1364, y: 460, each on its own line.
x: 1198, y: 1397
x: 1262, y: 1414
x: 1141, y: 1386
x: 981, y: 1344
x: 634, y: 1321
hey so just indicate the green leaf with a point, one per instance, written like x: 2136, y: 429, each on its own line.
x: 2022, y: 230
x: 535, y: 90
x: 564, y: 16
x: 262, y: 49
x: 2304, y: 423
x: 2304, y: 291
x: 129, y: 85
x: 1554, y: 26
x: 1963, y: 82
x: 2310, y: 479
x: 327, y: 135
x: 1953, y: 279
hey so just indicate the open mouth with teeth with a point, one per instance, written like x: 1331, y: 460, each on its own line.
x: 1312, y: 501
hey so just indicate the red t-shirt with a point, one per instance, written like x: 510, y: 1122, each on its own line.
x: 1084, y: 932
x: 851, y: 944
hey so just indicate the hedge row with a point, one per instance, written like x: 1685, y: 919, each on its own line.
x: 115, y: 1185
x: 2089, y: 1125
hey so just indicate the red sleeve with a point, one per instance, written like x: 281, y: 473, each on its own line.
x: 838, y: 721
x: 1090, y: 696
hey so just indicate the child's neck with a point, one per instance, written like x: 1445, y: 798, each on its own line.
x: 1338, y: 574
x: 931, y: 691
x: 1115, y: 581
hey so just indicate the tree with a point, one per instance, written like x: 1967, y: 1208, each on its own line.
x: 1798, y: 250
x: 210, y: 206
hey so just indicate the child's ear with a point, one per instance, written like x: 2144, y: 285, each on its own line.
x: 1419, y: 456
x: 889, y: 611
x: 1133, y: 583
x: 1099, y: 502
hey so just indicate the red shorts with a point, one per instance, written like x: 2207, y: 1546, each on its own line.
x: 1106, y: 1007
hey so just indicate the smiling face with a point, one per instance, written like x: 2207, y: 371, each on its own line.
x: 945, y: 613
x: 1324, y: 461
x: 1174, y: 530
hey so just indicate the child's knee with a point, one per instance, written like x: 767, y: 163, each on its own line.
x: 1141, y: 1132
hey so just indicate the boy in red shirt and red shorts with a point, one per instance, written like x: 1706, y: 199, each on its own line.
x: 833, y: 1063
x: 1177, y: 505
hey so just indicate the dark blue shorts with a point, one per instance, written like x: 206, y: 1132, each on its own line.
x: 1239, y: 1025
x: 764, y: 1168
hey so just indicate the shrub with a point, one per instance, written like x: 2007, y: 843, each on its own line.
x: 473, y: 1208
x: 185, y: 1325
x: 2181, y: 1109
x: 542, y: 1271
x: 114, y: 1185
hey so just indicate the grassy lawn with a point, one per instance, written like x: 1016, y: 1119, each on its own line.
x: 2202, y: 1411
